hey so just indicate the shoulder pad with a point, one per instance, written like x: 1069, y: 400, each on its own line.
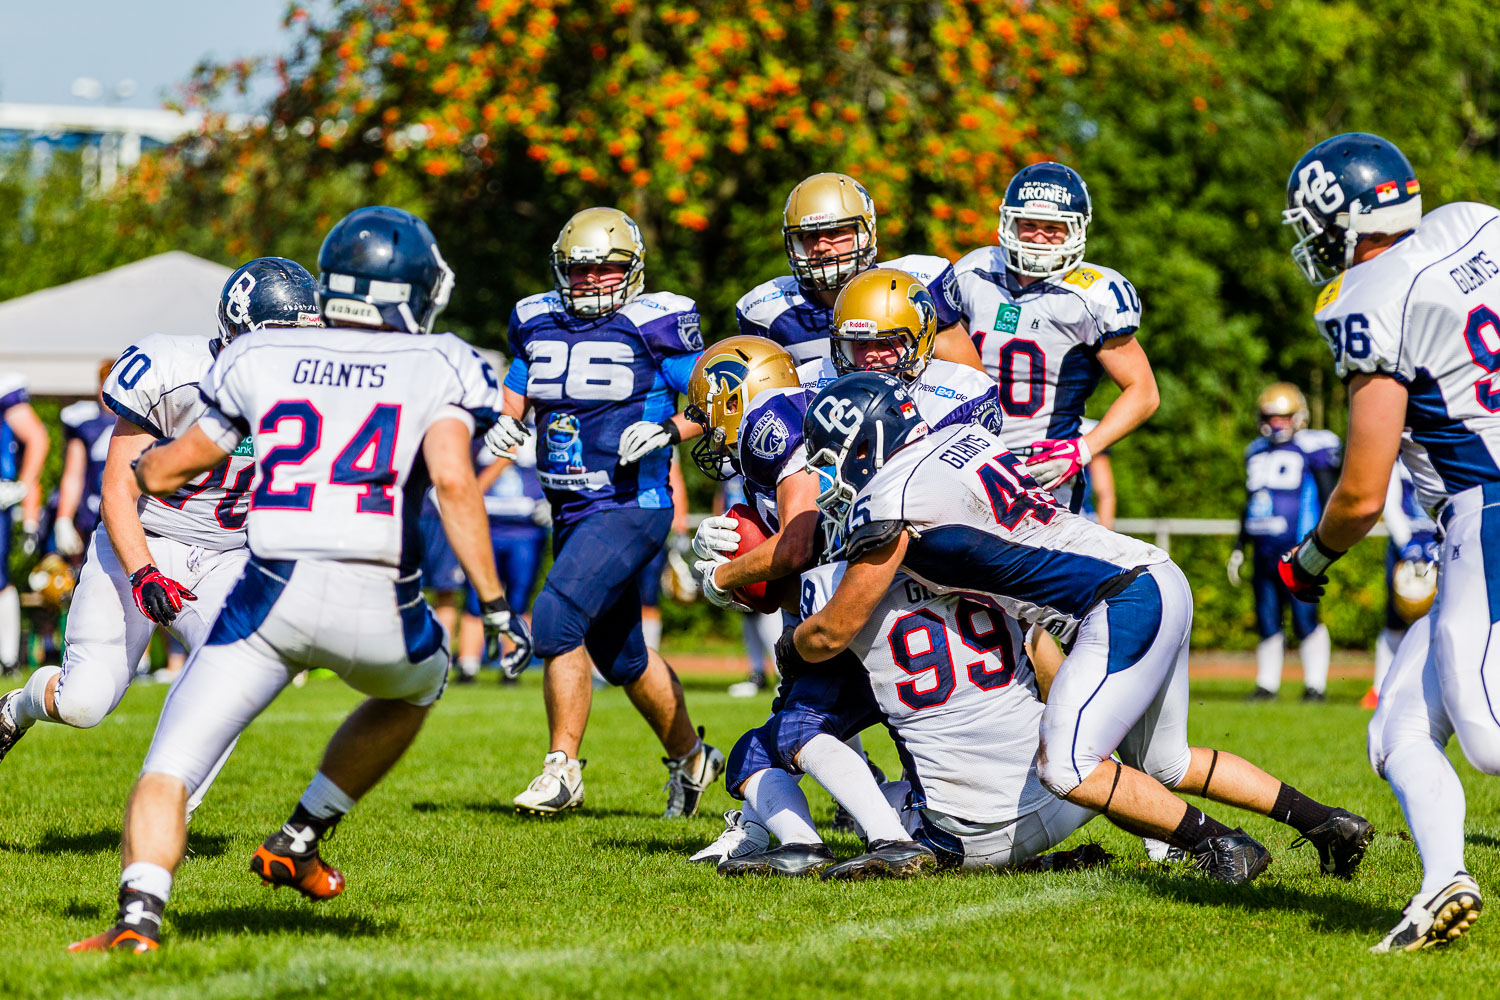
x: 1257, y: 446
x: 1317, y: 440
x: 815, y: 374
x: 540, y: 304
x: 12, y: 382
x: 870, y: 537
x: 79, y: 413
x: 763, y: 303
x: 919, y: 265
x: 664, y: 302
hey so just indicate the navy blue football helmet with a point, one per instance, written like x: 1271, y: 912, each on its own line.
x: 380, y: 267
x: 267, y: 291
x: 1055, y: 193
x: 852, y: 428
x: 1343, y: 188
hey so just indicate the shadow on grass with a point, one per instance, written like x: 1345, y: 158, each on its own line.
x: 107, y: 841
x: 276, y: 920
x: 1329, y: 911
x: 1482, y: 839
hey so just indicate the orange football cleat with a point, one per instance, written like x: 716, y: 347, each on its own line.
x: 137, y: 929
x: 116, y: 939
x: 309, y: 874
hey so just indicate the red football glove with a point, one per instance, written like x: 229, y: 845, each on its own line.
x: 1304, y: 570
x: 159, y: 598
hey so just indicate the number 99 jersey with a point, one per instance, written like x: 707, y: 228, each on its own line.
x: 154, y: 385
x: 1427, y: 313
x: 338, y: 418
x: 951, y: 676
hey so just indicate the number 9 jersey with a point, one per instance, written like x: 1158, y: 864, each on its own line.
x: 338, y: 418
x: 1427, y: 313
x: 154, y: 385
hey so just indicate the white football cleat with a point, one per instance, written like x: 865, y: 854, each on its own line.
x: 739, y: 839
x: 745, y: 689
x: 558, y: 787
x: 1437, y: 919
x: 688, y: 777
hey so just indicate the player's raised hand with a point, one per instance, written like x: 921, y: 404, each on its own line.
x: 1055, y: 461
x: 506, y: 436
x: 716, y: 535
x: 1233, y: 566
x: 499, y: 620
x: 645, y: 436
x: 158, y: 597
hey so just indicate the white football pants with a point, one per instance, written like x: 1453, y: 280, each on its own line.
x: 1004, y: 845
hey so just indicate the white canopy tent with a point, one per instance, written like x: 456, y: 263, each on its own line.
x: 57, y: 337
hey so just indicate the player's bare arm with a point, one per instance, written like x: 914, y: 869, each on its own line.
x: 70, y: 486
x: 30, y: 434
x: 1124, y: 360
x: 788, y: 551
x: 173, y: 465
x: 829, y: 631
x: 446, y: 450
x: 1377, y: 414
x: 118, y: 494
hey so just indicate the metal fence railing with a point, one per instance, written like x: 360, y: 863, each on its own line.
x: 1161, y: 529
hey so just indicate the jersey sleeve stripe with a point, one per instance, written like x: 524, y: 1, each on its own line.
x: 121, y: 410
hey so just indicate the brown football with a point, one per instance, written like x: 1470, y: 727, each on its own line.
x: 763, y: 597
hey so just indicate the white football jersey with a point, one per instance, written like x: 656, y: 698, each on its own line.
x: 338, y: 417
x: 945, y: 393
x: 1041, y: 342
x: 952, y: 678
x: 983, y: 526
x: 154, y: 385
x: 1427, y: 313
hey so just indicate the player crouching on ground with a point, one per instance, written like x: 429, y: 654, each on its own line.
x: 957, y: 512
x: 350, y: 424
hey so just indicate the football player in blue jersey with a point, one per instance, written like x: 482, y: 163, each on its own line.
x: 1289, y: 472
x: 600, y: 360
x: 828, y: 228
x: 23, y: 452
x: 86, y: 428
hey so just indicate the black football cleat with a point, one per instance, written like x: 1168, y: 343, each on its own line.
x: 1261, y: 694
x: 10, y: 733
x: 137, y: 929
x: 1233, y: 857
x: 884, y: 859
x: 278, y: 862
x: 1341, y: 841
x: 788, y: 859
x: 1076, y: 860
x: 1314, y: 695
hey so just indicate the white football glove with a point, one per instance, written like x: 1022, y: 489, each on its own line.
x: 66, y: 538
x: 717, y: 535
x: 642, y: 438
x: 506, y: 436
x: 498, y: 620
x: 718, y: 598
x: 11, y: 493
x: 1232, y: 567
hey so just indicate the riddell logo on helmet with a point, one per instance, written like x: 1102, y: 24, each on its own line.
x: 859, y: 326
x: 816, y: 218
x: 1047, y: 194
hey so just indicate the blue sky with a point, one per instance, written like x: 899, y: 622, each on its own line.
x: 46, y: 44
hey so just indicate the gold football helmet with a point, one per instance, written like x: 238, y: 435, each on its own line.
x: 598, y: 236
x: 1282, y: 399
x: 52, y: 579
x: 726, y: 378
x: 822, y: 202
x: 884, y: 307
x: 1413, y: 586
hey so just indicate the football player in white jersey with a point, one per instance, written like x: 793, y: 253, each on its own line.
x: 167, y: 561
x: 1411, y: 310
x: 350, y: 425
x: 1048, y: 324
x: 828, y: 227
x: 957, y: 512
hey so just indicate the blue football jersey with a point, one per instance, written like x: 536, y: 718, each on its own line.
x: 92, y: 425
x: 588, y: 380
x: 1281, y: 479
x: 770, y: 447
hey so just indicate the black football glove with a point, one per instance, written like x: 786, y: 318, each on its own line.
x: 159, y: 598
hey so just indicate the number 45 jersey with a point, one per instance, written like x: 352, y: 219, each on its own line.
x: 981, y: 525
x: 154, y: 385
x: 338, y: 418
x: 1427, y: 313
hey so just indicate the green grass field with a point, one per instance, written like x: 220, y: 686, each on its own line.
x: 450, y: 894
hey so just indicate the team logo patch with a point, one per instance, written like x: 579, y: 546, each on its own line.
x: 1007, y: 318
x: 689, y: 331
x: 908, y: 409
x: 768, y: 438
x: 950, y: 288
x: 564, y: 448
x: 238, y: 306
x: 1083, y: 277
x: 921, y: 300
x: 1412, y: 187
x: 1319, y: 186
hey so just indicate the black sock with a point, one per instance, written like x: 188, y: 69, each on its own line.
x: 1196, y: 827
x: 319, y: 825
x: 1298, y: 811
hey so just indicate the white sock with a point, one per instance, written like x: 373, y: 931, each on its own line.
x: 1432, y: 800
x: 1385, y: 652
x: 32, y: 705
x: 468, y: 666
x: 846, y: 775
x: 10, y: 625
x: 324, y: 799
x: 1268, y: 662
x: 651, y: 630
x: 1316, y: 650
x: 778, y: 801
x: 142, y: 876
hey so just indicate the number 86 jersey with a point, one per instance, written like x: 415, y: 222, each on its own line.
x: 338, y: 418
x: 154, y: 385
x: 1427, y: 313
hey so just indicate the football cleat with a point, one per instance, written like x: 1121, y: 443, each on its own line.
x: 884, y: 859
x: 1162, y: 852
x: 559, y: 787
x: 740, y: 838
x: 1341, y: 841
x: 843, y: 822
x: 688, y: 777
x: 10, y: 733
x: 278, y: 862
x: 1232, y: 857
x: 1314, y: 695
x: 1075, y: 860
x: 137, y: 929
x: 1261, y: 694
x: 788, y: 859
x: 747, y: 689
x: 1439, y: 919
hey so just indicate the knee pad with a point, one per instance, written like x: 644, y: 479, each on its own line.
x: 557, y: 624
x: 81, y: 704
x: 748, y: 756
x: 1171, y: 770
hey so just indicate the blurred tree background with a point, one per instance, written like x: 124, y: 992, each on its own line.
x: 497, y: 119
